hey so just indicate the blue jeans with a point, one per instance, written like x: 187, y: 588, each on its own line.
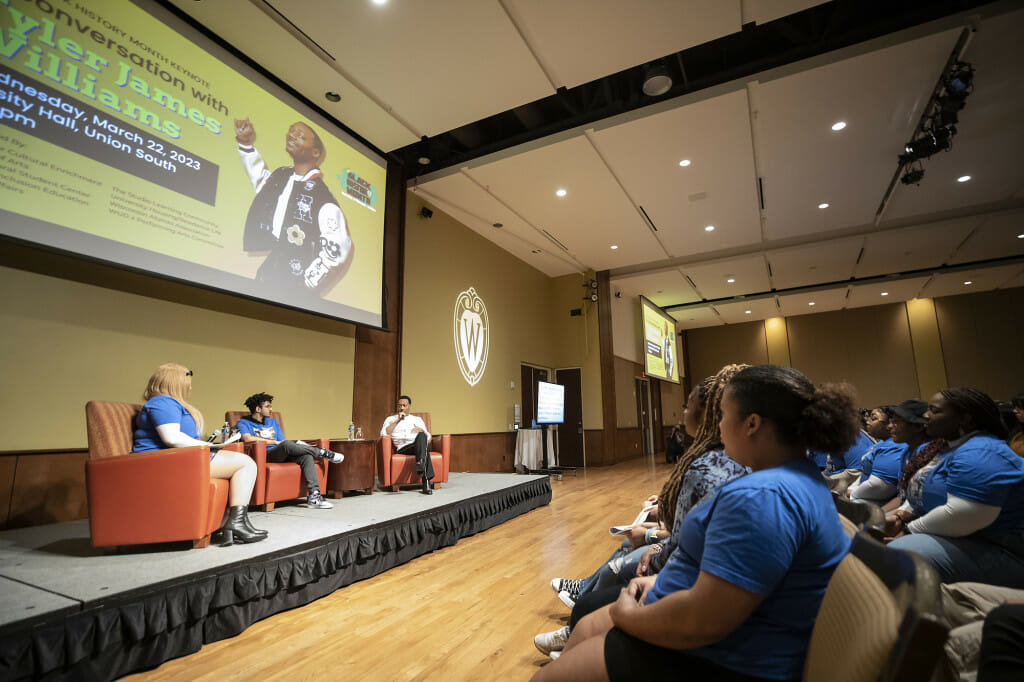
x: 606, y: 577
x: 988, y: 556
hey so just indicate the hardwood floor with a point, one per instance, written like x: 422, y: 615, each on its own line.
x: 467, y: 612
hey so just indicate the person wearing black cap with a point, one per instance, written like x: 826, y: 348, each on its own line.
x: 881, y: 466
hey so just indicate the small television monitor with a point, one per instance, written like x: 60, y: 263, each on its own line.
x: 550, y: 403
x: 658, y: 333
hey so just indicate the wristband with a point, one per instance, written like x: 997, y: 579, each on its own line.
x: 651, y: 536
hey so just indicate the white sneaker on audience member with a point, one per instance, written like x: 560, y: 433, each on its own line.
x: 567, y: 585
x: 331, y: 456
x: 567, y: 598
x: 554, y: 655
x: 548, y: 642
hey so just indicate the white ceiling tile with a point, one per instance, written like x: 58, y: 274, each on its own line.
x: 594, y: 215
x: 664, y: 288
x: 863, y: 295
x: 718, y: 188
x: 816, y: 264
x: 439, y: 64
x: 997, y: 236
x: 736, y: 313
x: 696, y: 318
x: 880, y: 95
x: 260, y: 38
x: 914, y: 248
x: 800, y: 304
x: 750, y: 273
x: 583, y: 40
x: 953, y: 283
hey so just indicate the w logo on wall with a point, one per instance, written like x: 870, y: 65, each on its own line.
x: 472, y: 335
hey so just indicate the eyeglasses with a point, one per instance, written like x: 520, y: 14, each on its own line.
x: 188, y: 373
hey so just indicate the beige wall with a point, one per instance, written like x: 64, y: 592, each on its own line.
x: 983, y: 340
x: 887, y: 354
x: 712, y: 348
x: 65, y: 343
x: 673, y: 400
x: 529, y: 320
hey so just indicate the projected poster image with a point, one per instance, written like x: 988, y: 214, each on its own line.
x: 124, y: 140
x: 660, y: 342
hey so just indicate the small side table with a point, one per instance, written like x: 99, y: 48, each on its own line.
x: 356, y: 472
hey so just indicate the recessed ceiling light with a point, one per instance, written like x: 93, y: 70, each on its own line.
x: 731, y: 280
x: 380, y: 2
x: 709, y: 228
x: 535, y: 251
x: 561, y: 193
x: 1020, y: 236
x: 838, y: 125
x: 885, y: 293
x: 684, y: 163
x: 498, y: 225
x: 822, y: 205
x: 968, y: 282
x: 332, y: 96
x: 811, y: 303
x: 424, y: 160
x: 746, y: 312
x: 963, y: 178
x: 614, y: 246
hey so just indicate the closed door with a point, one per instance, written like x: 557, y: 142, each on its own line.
x: 570, y: 433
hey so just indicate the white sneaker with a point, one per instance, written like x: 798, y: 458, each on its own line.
x: 317, y: 501
x: 567, y: 599
x: 331, y: 456
x: 548, y: 642
x: 554, y: 655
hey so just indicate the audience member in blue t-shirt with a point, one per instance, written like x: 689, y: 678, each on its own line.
x: 964, y: 512
x: 882, y: 465
x: 741, y: 591
x: 850, y: 459
x: 167, y: 420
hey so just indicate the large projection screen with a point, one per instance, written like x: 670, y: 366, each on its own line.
x: 661, y: 352
x: 118, y: 142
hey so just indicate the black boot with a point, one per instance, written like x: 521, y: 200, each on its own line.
x: 235, y: 532
x: 248, y: 524
x: 426, y: 489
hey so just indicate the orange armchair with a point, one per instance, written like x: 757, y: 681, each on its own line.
x: 277, y: 481
x: 137, y: 498
x: 395, y: 469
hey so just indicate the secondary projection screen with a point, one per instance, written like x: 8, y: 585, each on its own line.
x: 118, y: 142
x: 659, y: 338
x: 550, y: 403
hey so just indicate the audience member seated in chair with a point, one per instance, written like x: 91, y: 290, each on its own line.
x: 881, y: 466
x: 964, y: 510
x: 167, y: 420
x: 407, y: 434
x: 737, y: 599
x: 260, y: 426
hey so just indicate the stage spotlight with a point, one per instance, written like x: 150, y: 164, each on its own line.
x: 912, y: 177
x: 960, y: 78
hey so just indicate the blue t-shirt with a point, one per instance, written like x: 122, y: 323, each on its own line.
x: 884, y: 460
x: 269, y: 429
x: 775, y: 533
x: 160, y: 410
x: 983, y: 469
x: 849, y: 459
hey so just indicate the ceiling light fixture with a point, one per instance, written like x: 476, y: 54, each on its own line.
x: 332, y: 96
x: 561, y: 193
x: 709, y: 228
x: 968, y: 282
x: 838, y: 125
x: 811, y: 303
x: 380, y: 2
x: 614, y: 246
x: 1020, y: 236
x: 885, y: 293
x: 746, y: 312
x: 684, y: 163
x: 963, y: 178
x: 498, y: 225
x: 731, y: 280
x: 656, y: 80
x: 913, y: 176
x: 823, y: 205
x: 424, y: 160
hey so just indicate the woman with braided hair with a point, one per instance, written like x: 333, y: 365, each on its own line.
x: 964, y: 509
x: 738, y: 597
x: 701, y: 470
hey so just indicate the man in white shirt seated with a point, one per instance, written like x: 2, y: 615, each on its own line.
x: 409, y: 436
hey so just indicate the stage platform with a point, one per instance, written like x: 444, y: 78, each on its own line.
x: 71, y: 611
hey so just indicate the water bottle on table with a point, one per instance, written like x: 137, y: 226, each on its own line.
x: 351, y: 430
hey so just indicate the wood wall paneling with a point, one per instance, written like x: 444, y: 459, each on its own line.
x: 483, y: 452
x: 627, y: 445
x: 593, y: 442
x: 8, y: 465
